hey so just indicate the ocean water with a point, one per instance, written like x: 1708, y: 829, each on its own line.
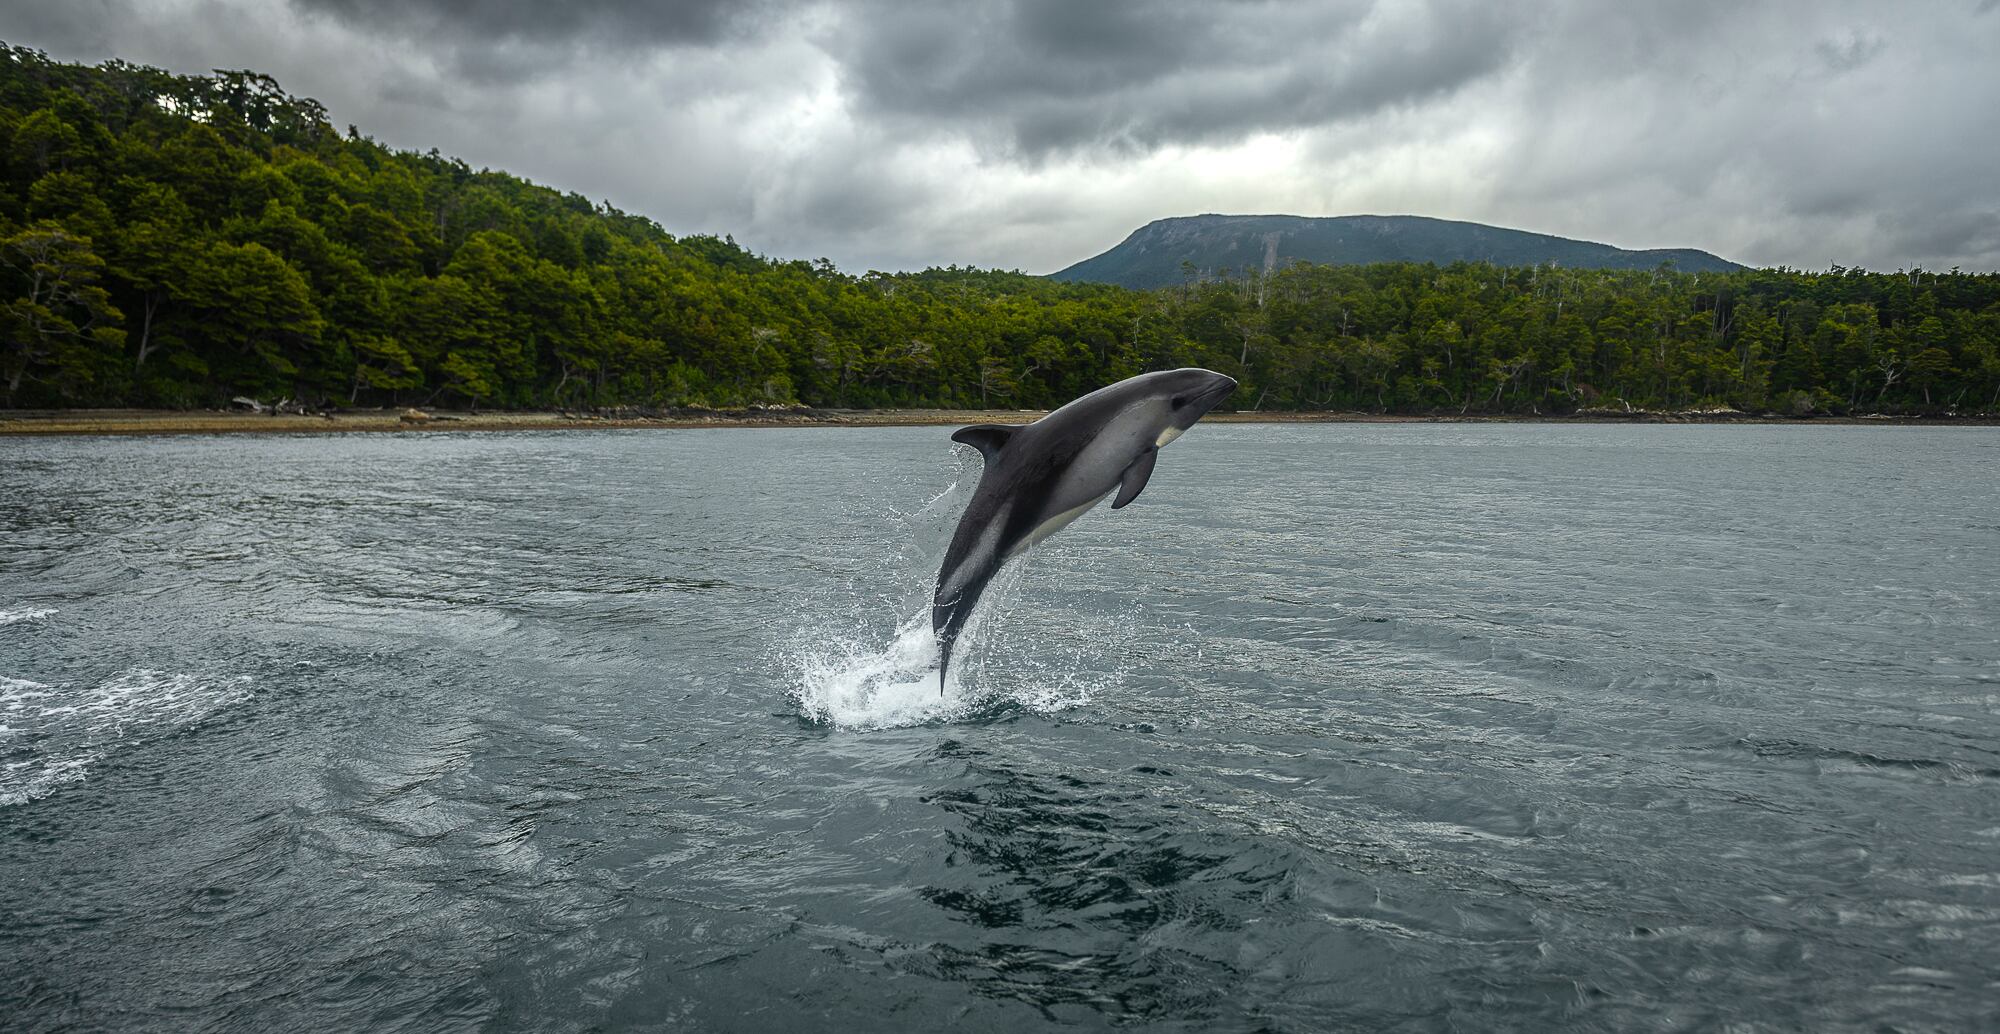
x: 1413, y: 727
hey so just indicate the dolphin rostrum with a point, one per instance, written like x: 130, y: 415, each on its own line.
x: 1041, y: 476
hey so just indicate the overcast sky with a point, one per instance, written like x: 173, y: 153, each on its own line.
x: 1032, y: 134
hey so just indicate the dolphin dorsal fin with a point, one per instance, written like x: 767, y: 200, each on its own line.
x: 989, y: 439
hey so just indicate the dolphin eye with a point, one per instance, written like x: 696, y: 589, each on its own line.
x: 1179, y: 401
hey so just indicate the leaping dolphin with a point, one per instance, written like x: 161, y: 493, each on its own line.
x: 1041, y: 476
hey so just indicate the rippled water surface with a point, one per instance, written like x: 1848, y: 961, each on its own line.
x: 1410, y: 727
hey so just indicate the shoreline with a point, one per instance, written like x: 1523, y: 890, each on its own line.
x: 129, y: 422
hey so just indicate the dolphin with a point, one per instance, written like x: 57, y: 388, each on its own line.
x: 1041, y: 476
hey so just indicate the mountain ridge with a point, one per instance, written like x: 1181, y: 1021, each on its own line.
x: 1155, y: 254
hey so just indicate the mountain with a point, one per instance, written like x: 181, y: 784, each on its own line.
x: 1154, y: 254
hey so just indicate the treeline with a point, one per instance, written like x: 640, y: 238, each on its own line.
x: 174, y: 241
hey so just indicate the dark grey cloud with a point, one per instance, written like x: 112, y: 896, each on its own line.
x: 1033, y: 77
x: 497, y: 42
x: 623, y: 23
x: 1031, y: 133
x: 1833, y: 132
x: 88, y: 26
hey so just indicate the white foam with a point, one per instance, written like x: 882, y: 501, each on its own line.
x: 69, y: 729
x: 9, y: 617
x: 851, y: 685
x: 850, y: 681
x: 12, y: 690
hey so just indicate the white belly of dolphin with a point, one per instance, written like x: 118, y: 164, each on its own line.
x: 1053, y: 525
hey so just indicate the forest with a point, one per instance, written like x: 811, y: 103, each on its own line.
x: 175, y: 241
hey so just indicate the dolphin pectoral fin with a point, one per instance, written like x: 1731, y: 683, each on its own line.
x: 989, y: 439
x: 1133, y: 481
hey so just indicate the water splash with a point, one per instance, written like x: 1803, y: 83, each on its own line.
x: 853, y: 682
x: 9, y: 617
x: 849, y: 683
x: 1026, y: 648
x: 1028, y: 645
x: 51, y: 735
x: 843, y: 674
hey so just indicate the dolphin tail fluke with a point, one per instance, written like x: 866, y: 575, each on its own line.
x: 945, y: 641
x: 949, y: 613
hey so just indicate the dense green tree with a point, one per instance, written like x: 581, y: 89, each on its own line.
x: 58, y: 324
x: 258, y: 310
x: 1930, y: 367
x: 178, y: 240
x: 44, y: 143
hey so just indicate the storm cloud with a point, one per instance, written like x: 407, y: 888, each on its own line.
x: 603, y: 22
x: 1030, y: 134
x: 1041, y: 76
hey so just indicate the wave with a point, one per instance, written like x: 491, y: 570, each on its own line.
x: 51, y: 735
x: 1838, y: 759
x: 9, y: 617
